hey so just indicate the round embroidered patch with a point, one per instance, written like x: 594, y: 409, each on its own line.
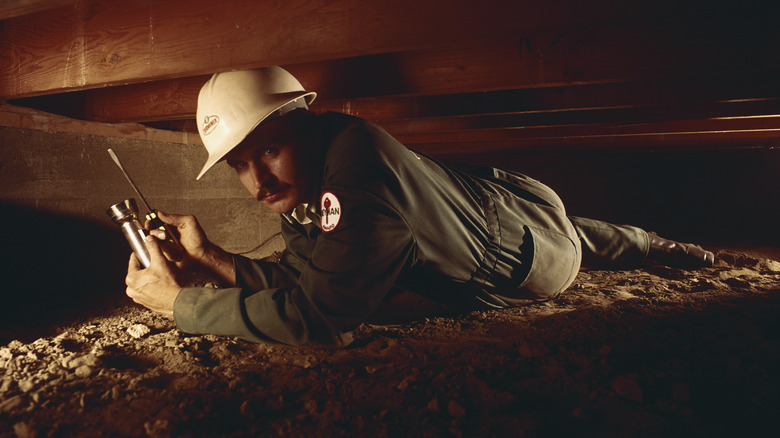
x: 330, y: 208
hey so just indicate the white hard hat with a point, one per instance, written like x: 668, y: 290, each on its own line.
x: 233, y: 103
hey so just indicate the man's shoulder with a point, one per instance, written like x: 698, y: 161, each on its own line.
x: 353, y: 141
x: 345, y: 130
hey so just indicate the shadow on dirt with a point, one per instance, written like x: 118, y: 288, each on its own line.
x: 55, y: 269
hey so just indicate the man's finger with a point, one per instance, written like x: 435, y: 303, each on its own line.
x: 159, y: 234
x: 170, y: 219
x: 155, y: 252
x: 133, y: 265
x: 130, y: 292
x: 178, y: 221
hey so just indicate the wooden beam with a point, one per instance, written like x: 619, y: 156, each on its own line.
x: 512, y: 152
x: 487, y: 150
x: 16, y: 8
x: 713, y: 133
x: 26, y: 118
x: 609, y: 54
x: 161, y: 100
x: 175, y: 99
x: 684, y: 116
x: 105, y: 42
x: 682, y: 94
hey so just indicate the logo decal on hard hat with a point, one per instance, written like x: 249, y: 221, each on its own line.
x: 330, y: 208
x: 209, y: 124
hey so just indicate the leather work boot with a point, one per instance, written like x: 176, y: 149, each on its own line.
x: 678, y: 255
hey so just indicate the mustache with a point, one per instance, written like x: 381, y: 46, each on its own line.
x: 268, y: 191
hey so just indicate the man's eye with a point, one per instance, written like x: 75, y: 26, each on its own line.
x: 270, y: 151
x: 236, y: 164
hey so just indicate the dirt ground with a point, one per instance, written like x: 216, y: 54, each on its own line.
x: 650, y: 352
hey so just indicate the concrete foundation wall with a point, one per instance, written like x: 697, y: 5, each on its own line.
x: 73, y: 175
x: 61, y: 254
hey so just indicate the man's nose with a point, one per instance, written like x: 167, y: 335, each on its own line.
x: 259, y: 174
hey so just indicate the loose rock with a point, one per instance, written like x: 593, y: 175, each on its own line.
x: 83, y: 371
x: 138, y: 330
x: 11, y: 403
x: 88, y: 359
x: 455, y: 409
x: 628, y: 388
x: 5, y: 384
x: 26, y: 385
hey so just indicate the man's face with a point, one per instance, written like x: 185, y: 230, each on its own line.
x: 275, y: 165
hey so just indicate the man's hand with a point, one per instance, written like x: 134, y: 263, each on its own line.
x: 154, y: 287
x: 197, y: 251
x: 191, y: 236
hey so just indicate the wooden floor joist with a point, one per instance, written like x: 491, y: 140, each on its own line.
x: 506, y: 73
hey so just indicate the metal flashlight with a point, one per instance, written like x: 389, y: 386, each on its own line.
x: 125, y: 214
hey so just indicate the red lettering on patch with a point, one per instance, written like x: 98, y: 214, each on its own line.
x: 330, y: 210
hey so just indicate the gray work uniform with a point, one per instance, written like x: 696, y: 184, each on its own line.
x: 390, y: 217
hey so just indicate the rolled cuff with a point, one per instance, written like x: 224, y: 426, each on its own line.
x: 201, y: 310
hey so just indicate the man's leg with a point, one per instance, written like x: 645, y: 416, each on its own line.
x: 680, y: 255
x: 620, y: 246
x: 610, y: 246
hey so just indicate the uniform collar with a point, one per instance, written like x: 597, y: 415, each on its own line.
x: 304, y: 214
